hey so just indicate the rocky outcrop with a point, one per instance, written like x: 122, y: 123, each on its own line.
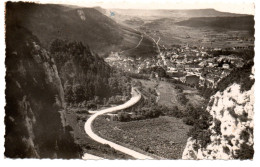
x: 232, y: 126
x: 34, y: 97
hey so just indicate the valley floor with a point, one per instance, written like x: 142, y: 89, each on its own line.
x: 164, y: 137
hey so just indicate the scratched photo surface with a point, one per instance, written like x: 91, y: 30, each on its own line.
x: 123, y: 81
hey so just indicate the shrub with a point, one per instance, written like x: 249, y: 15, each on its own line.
x: 245, y: 152
x: 182, y: 98
x: 226, y: 150
x: 204, y: 138
x: 175, y: 112
x: 217, y: 128
x: 188, y: 120
x: 201, y: 120
x: 124, y: 117
x: 245, y: 135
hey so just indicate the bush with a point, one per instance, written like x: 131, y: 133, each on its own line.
x: 175, y: 112
x: 245, y: 152
x: 202, y: 136
x: 82, y: 111
x: 188, y: 120
x: 124, y: 117
x: 217, y: 128
x: 182, y: 98
x: 245, y: 135
x: 226, y: 150
x: 201, y: 120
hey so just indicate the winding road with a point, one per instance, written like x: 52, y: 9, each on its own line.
x: 136, y: 96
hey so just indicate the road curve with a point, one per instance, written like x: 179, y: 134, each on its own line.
x: 136, y: 96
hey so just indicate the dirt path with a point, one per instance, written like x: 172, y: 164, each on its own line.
x: 142, y: 37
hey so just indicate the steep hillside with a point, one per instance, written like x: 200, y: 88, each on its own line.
x: 88, y: 25
x: 40, y: 84
x: 34, y: 97
x: 231, y: 122
x: 84, y: 75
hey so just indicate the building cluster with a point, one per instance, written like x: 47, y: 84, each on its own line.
x: 194, y: 66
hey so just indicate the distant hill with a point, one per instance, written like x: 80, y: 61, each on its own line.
x: 222, y: 23
x: 136, y: 17
x: 152, y: 14
x: 162, y: 13
x: 202, y: 13
x: 49, y: 22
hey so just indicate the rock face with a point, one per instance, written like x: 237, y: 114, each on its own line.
x: 34, y: 97
x: 232, y: 127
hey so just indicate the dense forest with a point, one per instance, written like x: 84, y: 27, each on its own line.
x: 86, y: 76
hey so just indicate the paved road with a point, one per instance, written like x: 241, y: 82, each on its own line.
x: 136, y: 96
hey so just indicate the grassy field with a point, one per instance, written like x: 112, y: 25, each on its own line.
x: 148, y: 88
x: 77, y: 121
x: 164, y: 136
x: 168, y: 95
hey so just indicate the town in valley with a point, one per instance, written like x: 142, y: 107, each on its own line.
x: 112, y: 83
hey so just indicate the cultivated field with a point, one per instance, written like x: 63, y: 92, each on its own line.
x: 164, y: 136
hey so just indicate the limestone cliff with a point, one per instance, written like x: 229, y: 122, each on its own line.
x: 231, y: 129
x: 34, y: 97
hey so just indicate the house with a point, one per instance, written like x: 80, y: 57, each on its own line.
x: 210, y: 65
x: 225, y: 66
x: 172, y: 69
x: 215, y: 64
x: 217, y: 49
x: 183, y: 79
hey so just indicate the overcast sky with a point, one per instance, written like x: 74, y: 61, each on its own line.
x: 233, y: 6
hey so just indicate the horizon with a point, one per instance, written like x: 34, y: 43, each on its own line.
x: 238, y: 6
x: 153, y: 9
